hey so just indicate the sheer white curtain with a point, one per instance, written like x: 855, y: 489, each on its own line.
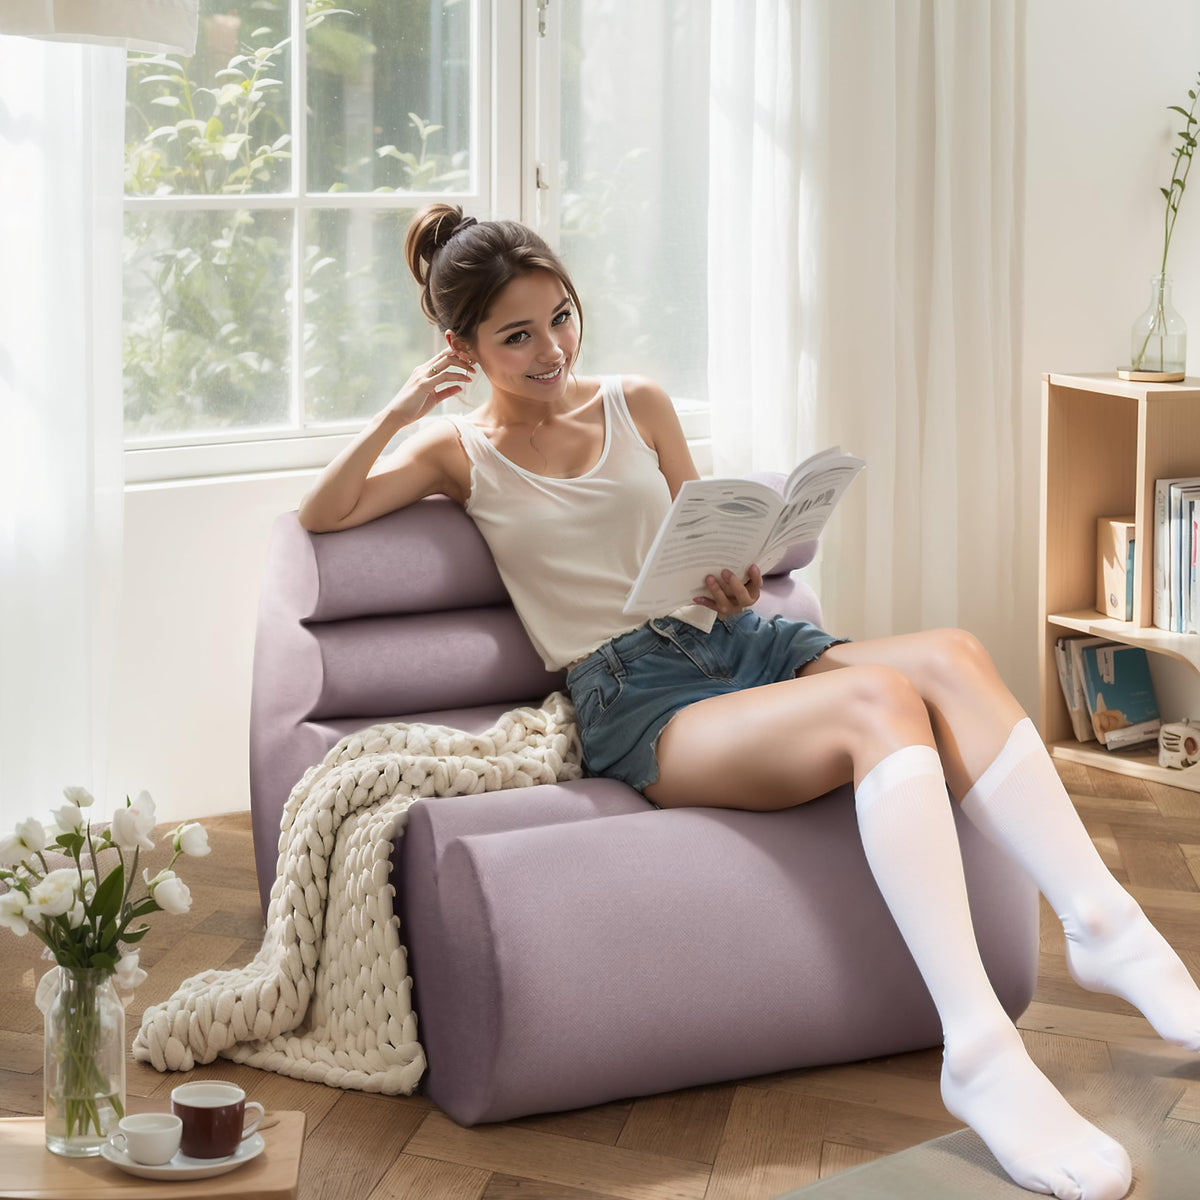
x: 151, y: 25
x: 755, y: 292
x: 61, y: 123
x: 62, y: 119
x: 864, y: 226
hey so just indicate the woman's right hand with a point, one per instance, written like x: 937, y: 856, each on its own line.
x: 446, y: 374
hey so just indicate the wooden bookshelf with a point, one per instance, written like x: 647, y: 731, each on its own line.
x: 1104, y: 443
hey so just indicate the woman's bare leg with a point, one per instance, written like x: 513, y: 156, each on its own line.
x: 786, y: 743
x: 970, y: 707
x: 997, y: 765
x: 820, y: 733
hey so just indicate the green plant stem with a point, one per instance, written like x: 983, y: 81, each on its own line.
x: 187, y: 88
x: 1173, y: 195
x: 130, y: 875
x: 1172, y: 212
x: 245, y: 115
x: 95, y: 876
x: 81, y: 1085
x: 92, y: 854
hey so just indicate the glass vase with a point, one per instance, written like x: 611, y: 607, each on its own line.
x: 1158, y: 340
x: 84, y: 1059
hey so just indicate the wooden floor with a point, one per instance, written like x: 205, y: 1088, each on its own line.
x: 752, y: 1139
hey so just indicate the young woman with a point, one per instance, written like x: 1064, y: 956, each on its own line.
x: 568, y: 478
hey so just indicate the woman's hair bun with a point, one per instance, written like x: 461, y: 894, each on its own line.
x: 462, y: 264
x: 429, y: 231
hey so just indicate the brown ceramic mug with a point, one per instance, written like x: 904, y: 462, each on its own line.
x: 214, y: 1117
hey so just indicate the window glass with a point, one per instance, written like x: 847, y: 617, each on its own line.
x: 363, y: 327
x: 634, y: 175
x: 219, y: 122
x: 389, y: 97
x: 206, y: 321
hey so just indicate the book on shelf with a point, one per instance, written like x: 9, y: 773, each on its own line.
x: 1072, y: 690
x: 1115, y: 545
x: 1182, y: 494
x: 1068, y: 652
x: 714, y: 524
x: 1160, y: 610
x: 1120, y: 695
x: 1172, y: 551
x: 1191, y: 535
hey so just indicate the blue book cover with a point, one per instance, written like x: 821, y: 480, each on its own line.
x: 1129, y: 581
x: 1120, y: 695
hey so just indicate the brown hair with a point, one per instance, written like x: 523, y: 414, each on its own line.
x: 462, y: 265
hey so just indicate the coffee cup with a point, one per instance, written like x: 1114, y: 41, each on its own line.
x: 213, y: 1113
x: 148, y: 1138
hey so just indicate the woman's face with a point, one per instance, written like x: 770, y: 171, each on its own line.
x: 529, y: 340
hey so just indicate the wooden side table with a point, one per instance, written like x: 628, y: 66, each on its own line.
x: 31, y: 1172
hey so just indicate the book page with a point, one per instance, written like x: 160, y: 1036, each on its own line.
x: 795, y: 479
x: 713, y: 524
x: 812, y: 497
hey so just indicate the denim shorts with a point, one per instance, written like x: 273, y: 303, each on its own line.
x: 626, y: 691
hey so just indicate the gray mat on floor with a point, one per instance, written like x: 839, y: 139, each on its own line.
x: 1133, y: 1109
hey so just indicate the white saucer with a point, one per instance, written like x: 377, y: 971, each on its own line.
x: 181, y: 1167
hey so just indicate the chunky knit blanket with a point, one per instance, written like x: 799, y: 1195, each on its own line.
x: 328, y: 996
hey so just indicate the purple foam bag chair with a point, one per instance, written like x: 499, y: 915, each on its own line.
x: 569, y: 943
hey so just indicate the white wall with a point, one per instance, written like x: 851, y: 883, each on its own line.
x: 194, y: 556
x: 1099, y: 77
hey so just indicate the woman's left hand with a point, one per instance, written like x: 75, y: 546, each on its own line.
x: 729, y: 595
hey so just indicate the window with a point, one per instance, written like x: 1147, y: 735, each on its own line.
x: 269, y: 180
x: 632, y: 212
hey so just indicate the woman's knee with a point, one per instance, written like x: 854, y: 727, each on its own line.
x: 884, y: 705
x: 956, y: 658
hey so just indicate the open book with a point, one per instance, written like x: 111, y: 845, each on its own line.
x: 733, y: 523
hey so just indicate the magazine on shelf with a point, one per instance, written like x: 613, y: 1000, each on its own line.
x: 715, y: 524
x: 1120, y: 695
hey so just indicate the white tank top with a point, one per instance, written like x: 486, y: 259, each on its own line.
x: 569, y: 550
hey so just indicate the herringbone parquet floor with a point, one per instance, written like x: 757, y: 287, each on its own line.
x: 748, y: 1140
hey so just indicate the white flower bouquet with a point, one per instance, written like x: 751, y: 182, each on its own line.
x: 88, y: 913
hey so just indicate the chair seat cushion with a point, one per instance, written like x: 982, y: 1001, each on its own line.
x: 574, y: 948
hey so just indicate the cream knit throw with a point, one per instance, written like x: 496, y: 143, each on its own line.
x: 328, y: 997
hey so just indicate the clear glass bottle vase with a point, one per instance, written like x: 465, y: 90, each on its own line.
x: 84, y: 1059
x: 1158, y: 340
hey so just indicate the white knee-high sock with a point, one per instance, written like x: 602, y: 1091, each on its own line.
x: 988, y: 1080
x: 1020, y: 803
